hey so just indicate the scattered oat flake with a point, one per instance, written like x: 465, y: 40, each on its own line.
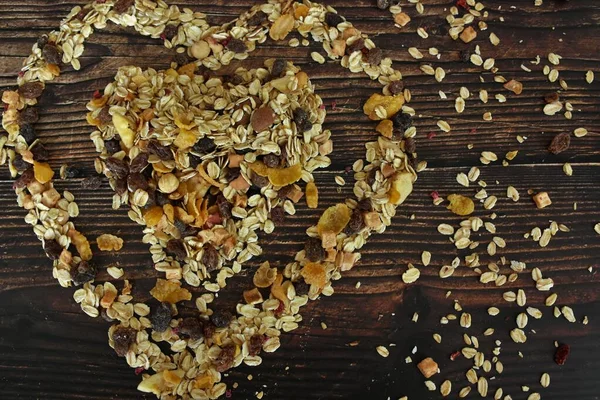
x: 383, y: 351
x: 444, y: 126
x: 115, y: 272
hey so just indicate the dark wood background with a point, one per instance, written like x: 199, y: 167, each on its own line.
x: 49, y: 349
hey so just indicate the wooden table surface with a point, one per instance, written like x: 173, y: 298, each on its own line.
x: 49, y: 349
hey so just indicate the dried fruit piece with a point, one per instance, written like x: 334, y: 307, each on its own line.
x: 313, y: 251
x: 53, y: 249
x: 460, y: 205
x: 387, y: 106
x: 253, y: 296
x: 262, y: 119
x: 107, y: 242
x: 224, y: 360
x: 264, y: 275
x: 402, y: 186
x: 278, y: 292
x: 255, y: 344
x: 169, y: 291
x: 385, y: 128
x: 562, y: 353
x: 210, y: 257
x: 514, y: 86
x: 334, y: 219
x: 428, y: 367
x: 314, y: 274
x: 161, y: 382
x: 42, y: 172
x: 123, y: 338
x: 83, y: 272
x: 31, y: 90
x: 221, y: 318
x: 191, y: 327
x: 81, y: 244
x: 185, y: 139
x: 161, y: 317
x: 282, y: 27
x: 123, y: 128
x: 285, y: 176
x: 312, y: 195
x: 542, y: 200
x: 153, y: 215
x: 560, y: 143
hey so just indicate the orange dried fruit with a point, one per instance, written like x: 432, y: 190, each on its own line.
x: 302, y: 78
x: 107, y: 242
x: 391, y: 105
x: 312, y: 195
x: 278, y: 292
x: 187, y: 69
x: 204, y: 382
x: 314, y: 274
x: 334, y: 219
x: 42, y: 172
x: 259, y: 168
x: 282, y: 27
x: 185, y: 139
x: 153, y: 215
x: 264, y: 275
x: 460, y: 205
x: 301, y: 11
x: 285, y: 176
x: 386, y: 128
x: 170, y: 291
x: 81, y: 244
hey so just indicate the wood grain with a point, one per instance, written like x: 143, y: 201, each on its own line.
x: 49, y: 349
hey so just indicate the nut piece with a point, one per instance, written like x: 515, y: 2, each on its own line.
x: 468, y: 35
x: 264, y: 276
x: 402, y: 186
x: 542, y: 200
x: 401, y: 19
x: 428, y: 367
x: 253, y: 296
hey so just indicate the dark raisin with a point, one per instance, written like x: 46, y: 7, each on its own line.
x: 25, y: 179
x: 285, y: 191
x: 53, y: 249
x: 278, y: 67
x: 194, y: 160
x: 210, y: 257
x: 91, y: 183
x: 162, y: 198
x: 560, y: 143
x: 374, y: 56
x: 27, y: 132
x: 192, y: 328
x: 84, y: 272
x: 51, y: 54
x: 31, y: 90
x: 170, y: 31
x: 383, y: 4
x: 181, y: 59
x: 122, y: 6
x: 562, y: 353
x: 20, y: 164
x: 121, y: 186
x: 119, y: 168
x: 225, y: 359
x: 224, y: 207
x: 204, y: 146
x: 272, y: 160
x: 162, y: 152
x: 277, y: 215
x: 402, y: 121
x: 371, y: 175
x: 221, y: 319
x: 465, y: 56
x: 410, y: 145
x: 139, y: 163
x: 208, y: 330
x: 177, y: 248
x: 137, y: 181
x: 255, y: 344
x: 29, y: 115
x: 104, y: 116
x: 333, y: 19
x: 313, y: 250
x: 259, y: 181
x: 39, y: 152
x: 42, y: 41
x: 258, y: 18
x: 396, y: 87
x: 413, y: 162
x: 72, y: 172
x: 356, y: 223
x: 357, y: 45
x: 112, y: 146
x: 301, y: 119
x: 301, y: 287
x: 123, y: 338
x: 232, y: 174
x: 365, y: 205
x: 551, y: 98
x: 161, y: 317
x: 236, y: 45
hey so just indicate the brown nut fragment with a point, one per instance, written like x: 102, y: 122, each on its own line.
x: 514, y: 86
x: 386, y: 128
x: 460, y: 205
x: 265, y: 275
x: 253, y: 296
x: 262, y: 119
x: 468, y: 35
x: 542, y: 200
x: 339, y: 47
x: 402, y: 186
x: 380, y: 107
x: 107, y: 242
x: 428, y: 367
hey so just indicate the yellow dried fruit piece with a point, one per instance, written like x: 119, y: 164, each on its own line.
x: 281, y: 27
x: 107, y: 242
x: 259, y: 168
x: 402, y: 186
x: 278, y: 292
x: 153, y: 215
x: 123, y: 128
x: 185, y: 120
x: 301, y: 11
x: 185, y: 139
x: 264, y: 276
x: 170, y: 291
x: 285, y: 176
x: 391, y: 105
x: 42, y: 172
x: 187, y: 69
x: 460, y: 205
x: 81, y: 244
x: 312, y: 195
x: 204, y: 382
x: 386, y: 128
x: 334, y: 219
x: 314, y: 274
x: 302, y: 79
x: 161, y: 382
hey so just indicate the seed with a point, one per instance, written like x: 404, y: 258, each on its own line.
x: 568, y: 169
x: 494, y: 39
x: 437, y: 337
x: 488, y: 332
x: 383, y: 351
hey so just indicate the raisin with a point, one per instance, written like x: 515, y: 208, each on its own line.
x: 272, y: 160
x: 357, y: 45
x: 119, y: 168
x: 39, y: 152
x: 255, y: 344
x: 278, y: 67
x: 225, y: 359
x: 84, y: 272
x: 73, y: 172
x: 551, y: 98
x: 91, y: 183
x: 121, y: 186
x: 112, y: 146
x: 208, y: 329
x: 137, y: 181
x: 170, y: 31
x: 302, y: 121
x: 123, y: 338
x: 162, y: 199
x: 562, y: 353
x: 258, y: 18
x: 162, y: 152
x: 177, y: 248
x: 356, y: 223
x: 204, y: 146
x: 277, y: 215
x: 29, y: 115
x: 410, y: 145
x: 313, y: 250
x: 181, y: 59
x: 27, y: 132
x: 259, y: 181
x: 236, y: 45
x: 285, y: 191
x: 465, y: 56
x: 161, y: 317
x: 31, y: 90
x: 42, y: 41
x: 371, y: 176
x: 53, y: 249
x: 210, y: 257
x: 192, y: 328
x: 122, y: 5
x: 221, y: 319
x: 333, y: 19
x: 139, y: 163
x: 20, y: 164
x: 364, y: 205
x: 194, y: 160
x: 232, y: 174
x: 104, y: 116
x: 25, y: 179
x: 301, y: 288
x: 396, y: 87
x: 560, y: 143
x: 224, y: 207
x: 383, y: 4
x: 402, y: 121
x: 374, y: 56
x: 51, y: 54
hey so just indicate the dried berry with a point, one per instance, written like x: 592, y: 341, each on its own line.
x: 224, y: 207
x: 302, y: 121
x: 29, y: 115
x: 91, y: 183
x: 192, y: 328
x: 278, y: 67
x: 333, y: 19
x: 27, y: 132
x: 162, y: 198
x: 118, y: 168
x: 232, y: 174
x: 137, y: 181
x: 194, y: 160
x: 31, y: 90
x: 51, y: 54
x: 122, y: 6
x: 112, y: 146
x: 39, y: 152
x: 374, y: 56
x: 396, y: 87
x: 221, y: 319
x: 236, y: 45
x: 365, y: 205
x: 72, y: 172
x: 277, y: 215
x: 161, y: 317
x: 560, y: 143
x: 121, y: 186
x: 210, y: 257
x: 170, y: 31
x: 181, y: 59
x: 104, y: 117
x: 562, y: 353
x: 177, y: 248
x: 402, y: 121
x: 313, y: 250
x: 272, y: 160
x: 20, y: 164
x: 258, y: 18
x: 42, y: 41
x: 162, y: 152
x: 383, y: 4
x: 53, y: 249
x: 25, y: 179
x: 84, y: 272
x: 225, y: 359
x: 551, y: 98
x: 139, y: 163
x: 259, y: 181
x: 357, y: 45
x: 123, y: 338
x: 255, y: 344
x: 356, y: 223
x: 301, y: 287
x: 409, y: 145
x: 208, y: 329
x: 204, y: 146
